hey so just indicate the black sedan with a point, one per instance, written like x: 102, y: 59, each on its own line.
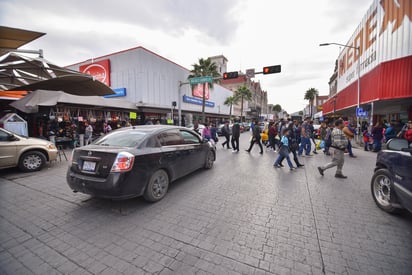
x: 391, y: 183
x: 138, y: 160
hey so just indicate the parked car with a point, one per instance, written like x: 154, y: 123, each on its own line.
x: 27, y: 153
x: 391, y: 183
x: 138, y: 160
x: 246, y: 126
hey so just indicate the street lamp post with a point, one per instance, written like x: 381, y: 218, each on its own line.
x: 358, y: 69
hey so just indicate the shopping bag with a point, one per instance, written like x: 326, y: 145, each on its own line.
x: 322, y: 144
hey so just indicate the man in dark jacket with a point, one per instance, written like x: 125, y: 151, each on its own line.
x: 226, y: 134
x: 255, y: 138
x: 235, y: 136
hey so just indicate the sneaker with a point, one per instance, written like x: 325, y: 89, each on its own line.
x: 321, y: 171
x: 340, y: 176
x: 261, y: 153
x: 280, y: 164
x: 352, y: 156
x: 276, y: 165
x: 234, y: 151
x: 300, y: 165
x: 315, y: 152
x: 292, y: 168
x: 247, y: 151
x: 309, y: 155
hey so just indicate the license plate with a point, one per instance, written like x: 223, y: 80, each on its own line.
x: 89, y: 166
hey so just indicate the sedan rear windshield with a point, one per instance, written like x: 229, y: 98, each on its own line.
x: 122, y: 139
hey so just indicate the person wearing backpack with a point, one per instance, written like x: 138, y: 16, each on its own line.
x: 255, y: 138
x: 226, y: 134
x: 328, y: 138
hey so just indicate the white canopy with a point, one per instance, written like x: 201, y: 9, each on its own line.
x: 31, y: 102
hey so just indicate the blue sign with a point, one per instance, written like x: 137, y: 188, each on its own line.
x: 118, y: 92
x: 197, y: 101
x: 361, y: 113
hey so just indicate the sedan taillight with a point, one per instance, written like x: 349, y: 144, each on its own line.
x: 123, y: 162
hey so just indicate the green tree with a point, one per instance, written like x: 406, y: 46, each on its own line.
x: 311, y: 95
x: 276, y: 109
x: 205, y: 67
x: 243, y: 93
x: 230, y: 100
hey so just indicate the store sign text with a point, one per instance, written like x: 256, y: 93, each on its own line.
x: 118, y: 92
x: 100, y: 70
x: 197, y: 101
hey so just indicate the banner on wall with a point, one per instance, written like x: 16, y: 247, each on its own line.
x: 197, y: 90
x: 99, y: 69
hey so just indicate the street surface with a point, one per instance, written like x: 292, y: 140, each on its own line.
x: 242, y: 217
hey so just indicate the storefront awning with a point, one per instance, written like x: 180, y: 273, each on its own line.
x: 318, y: 114
x: 31, y: 102
x: 12, y: 95
x: 19, y: 72
x: 12, y: 38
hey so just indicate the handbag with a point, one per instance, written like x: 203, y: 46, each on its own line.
x: 284, y: 151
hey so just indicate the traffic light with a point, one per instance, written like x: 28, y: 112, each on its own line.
x: 230, y: 75
x: 271, y: 69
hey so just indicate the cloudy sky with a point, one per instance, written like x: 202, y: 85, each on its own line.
x: 250, y: 33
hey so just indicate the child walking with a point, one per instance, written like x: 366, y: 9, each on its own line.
x: 284, y: 151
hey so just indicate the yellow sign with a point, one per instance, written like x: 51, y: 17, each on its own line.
x: 132, y: 115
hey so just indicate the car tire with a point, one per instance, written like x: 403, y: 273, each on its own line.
x: 210, y: 159
x: 157, y: 187
x: 382, y: 191
x: 32, y: 161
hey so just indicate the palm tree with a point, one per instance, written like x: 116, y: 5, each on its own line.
x: 311, y: 95
x: 205, y: 68
x: 243, y: 93
x: 230, y: 100
x: 277, y: 108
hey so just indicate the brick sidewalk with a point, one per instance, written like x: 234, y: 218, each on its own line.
x: 241, y: 217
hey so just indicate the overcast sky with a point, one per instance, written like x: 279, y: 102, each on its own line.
x: 249, y: 33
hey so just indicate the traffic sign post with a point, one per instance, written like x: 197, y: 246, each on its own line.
x: 200, y: 79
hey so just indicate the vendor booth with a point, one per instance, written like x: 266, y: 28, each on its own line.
x: 14, y: 123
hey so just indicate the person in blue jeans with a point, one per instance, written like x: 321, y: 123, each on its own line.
x: 305, y: 138
x: 284, y: 151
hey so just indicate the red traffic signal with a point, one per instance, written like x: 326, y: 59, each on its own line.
x: 230, y: 75
x: 271, y: 69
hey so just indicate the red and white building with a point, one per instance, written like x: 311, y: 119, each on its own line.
x: 381, y: 48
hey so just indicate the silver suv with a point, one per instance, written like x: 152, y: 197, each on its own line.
x: 29, y: 154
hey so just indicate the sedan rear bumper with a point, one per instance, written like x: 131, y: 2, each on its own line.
x: 114, y: 186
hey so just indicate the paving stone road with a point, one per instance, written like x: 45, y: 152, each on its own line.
x: 241, y: 217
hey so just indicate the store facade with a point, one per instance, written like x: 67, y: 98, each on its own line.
x: 374, y: 71
x: 157, y: 86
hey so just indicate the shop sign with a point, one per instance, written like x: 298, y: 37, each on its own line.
x: 197, y: 101
x: 118, y: 92
x: 99, y: 69
x: 197, y: 90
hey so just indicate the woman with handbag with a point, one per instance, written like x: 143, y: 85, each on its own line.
x: 284, y: 151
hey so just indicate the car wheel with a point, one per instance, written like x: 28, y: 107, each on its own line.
x: 382, y: 191
x: 32, y: 161
x: 157, y: 187
x: 210, y: 159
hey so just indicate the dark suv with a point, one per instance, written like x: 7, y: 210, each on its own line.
x: 392, y: 181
